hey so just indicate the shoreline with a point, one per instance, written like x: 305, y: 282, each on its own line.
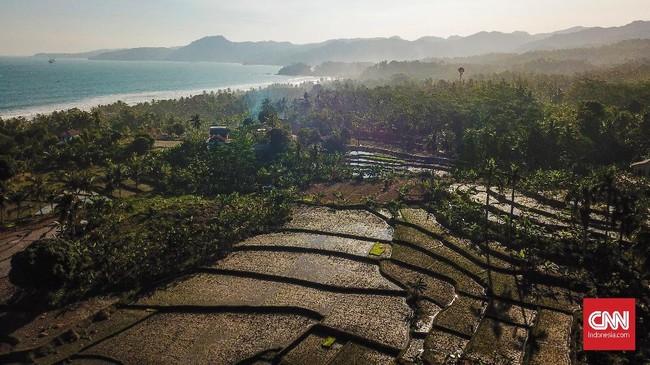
x: 137, y: 98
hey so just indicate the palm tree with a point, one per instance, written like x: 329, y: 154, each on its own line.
x: 115, y: 176
x: 491, y: 174
x: 579, y: 201
x: 418, y: 285
x: 196, y: 121
x: 513, y: 179
x: 76, y: 182
x: 607, y: 186
x: 626, y: 213
x: 39, y: 190
x: 19, y: 197
x: 136, y: 169
x: 461, y: 71
x: 64, y: 203
x: 67, y: 206
x: 4, y: 197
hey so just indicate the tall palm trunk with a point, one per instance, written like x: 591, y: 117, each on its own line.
x: 487, y: 238
x: 514, y: 178
x: 585, y: 218
x: 512, y: 211
x: 490, y: 174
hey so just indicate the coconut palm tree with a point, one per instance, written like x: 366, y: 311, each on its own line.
x: 579, y: 201
x: 608, y: 187
x: 627, y: 214
x: 39, y: 190
x: 115, y: 176
x: 196, y: 121
x: 513, y: 178
x: 491, y: 175
x: 67, y: 207
x: 76, y: 181
x: 136, y: 169
x: 19, y: 197
x: 4, y: 197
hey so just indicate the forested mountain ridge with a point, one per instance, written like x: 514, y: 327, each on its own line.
x: 591, y: 37
x: 220, y: 49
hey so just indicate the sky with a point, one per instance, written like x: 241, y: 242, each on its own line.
x: 31, y: 26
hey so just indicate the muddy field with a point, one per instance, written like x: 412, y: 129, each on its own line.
x: 202, y: 338
x: 327, y: 220
x: 318, y: 268
x: 336, y: 286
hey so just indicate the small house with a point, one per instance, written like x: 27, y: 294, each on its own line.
x: 641, y: 168
x: 70, y: 134
x: 218, y: 134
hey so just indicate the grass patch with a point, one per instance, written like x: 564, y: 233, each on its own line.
x: 329, y: 341
x: 377, y: 249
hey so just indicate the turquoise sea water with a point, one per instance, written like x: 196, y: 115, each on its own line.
x: 32, y: 85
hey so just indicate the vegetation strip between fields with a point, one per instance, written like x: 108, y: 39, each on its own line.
x: 248, y: 309
x: 336, y: 234
x: 306, y: 250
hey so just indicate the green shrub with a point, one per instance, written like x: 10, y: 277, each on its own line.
x: 138, y: 240
x: 47, y: 264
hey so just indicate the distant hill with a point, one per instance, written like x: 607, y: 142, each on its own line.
x: 597, y: 60
x: 135, y: 54
x: 220, y: 49
x: 602, y: 55
x: 591, y: 37
x: 74, y: 55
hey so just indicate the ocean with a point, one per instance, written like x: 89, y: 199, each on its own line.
x: 30, y: 85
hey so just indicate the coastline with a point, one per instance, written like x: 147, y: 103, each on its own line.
x: 136, y: 98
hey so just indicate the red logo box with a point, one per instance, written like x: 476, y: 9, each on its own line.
x: 608, y: 324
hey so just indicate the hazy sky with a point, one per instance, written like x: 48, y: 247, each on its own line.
x: 30, y: 26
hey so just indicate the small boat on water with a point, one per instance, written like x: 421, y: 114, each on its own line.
x: 52, y: 60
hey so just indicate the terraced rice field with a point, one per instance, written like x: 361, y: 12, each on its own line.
x: 556, y: 220
x: 354, y: 223
x: 318, y: 268
x: 202, y: 338
x: 310, y: 241
x: 311, y: 351
x: 370, y: 161
x: 315, y: 294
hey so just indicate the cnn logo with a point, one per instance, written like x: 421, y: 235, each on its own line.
x: 609, y: 324
x: 601, y: 321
